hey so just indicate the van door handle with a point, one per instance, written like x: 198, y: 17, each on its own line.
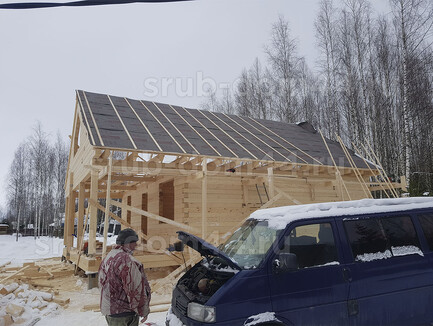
x: 347, y: 275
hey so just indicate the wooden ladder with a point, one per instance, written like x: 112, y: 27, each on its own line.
x: 263, y: 193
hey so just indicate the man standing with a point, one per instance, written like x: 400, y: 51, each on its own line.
x: 125, y: 292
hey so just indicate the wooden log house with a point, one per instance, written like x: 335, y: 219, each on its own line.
x: 168, y: 168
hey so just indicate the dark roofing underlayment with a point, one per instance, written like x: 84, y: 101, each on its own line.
x: 122, y: 123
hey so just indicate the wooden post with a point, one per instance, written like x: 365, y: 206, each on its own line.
x: 204, y: 200
x: 80, y: 241
x: 80, y: 229
x: 271, y: 183
x: 66, y: 225
x: 93, y: 211
x: 107, y: 206
x: 69, y: 216
x: 71, y: 219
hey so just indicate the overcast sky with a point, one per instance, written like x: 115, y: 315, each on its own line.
x: 131, y: 50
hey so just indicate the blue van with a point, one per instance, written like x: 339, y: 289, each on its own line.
x: 366, y: 262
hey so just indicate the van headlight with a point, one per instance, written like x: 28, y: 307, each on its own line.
x: 201, y: 313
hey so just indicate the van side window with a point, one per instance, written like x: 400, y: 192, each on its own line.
x: 367, y: 239
x: 312, y: 244
x: 426, y: 221
x: 381, y: 238
x: 401, y: 235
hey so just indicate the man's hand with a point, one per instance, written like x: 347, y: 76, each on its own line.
x: 143, y: 320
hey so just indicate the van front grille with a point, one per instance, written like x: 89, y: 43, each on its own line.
x: 181, y: 306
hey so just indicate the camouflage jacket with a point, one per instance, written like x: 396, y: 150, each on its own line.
x: 123, y: 284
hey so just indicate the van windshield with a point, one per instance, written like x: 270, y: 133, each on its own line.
x: 249, y: 244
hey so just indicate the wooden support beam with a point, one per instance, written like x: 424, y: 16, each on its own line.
x: 204, y: 200
x: 196, y: 160
x: 81, y: 240
x: 271, y: 183
x: 75, y: 140
x: 66, y: 225
x: 114, y: 188
x: 139, y: 168
x: 93, y: 213
x: 245, y: 191
x: 81, y: 198
x: 70, y: 215
x: 180, y: 159
x: 107, y: 207
x: 154, y: 216
x: 158, y: 158
x: 131, y: 178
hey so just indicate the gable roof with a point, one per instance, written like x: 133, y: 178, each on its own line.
x: 128, y: 124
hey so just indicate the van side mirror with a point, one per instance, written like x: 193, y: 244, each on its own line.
x: 285, y: 262
x: 177, y: 246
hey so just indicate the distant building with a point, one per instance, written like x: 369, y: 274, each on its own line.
x: 4, y: 228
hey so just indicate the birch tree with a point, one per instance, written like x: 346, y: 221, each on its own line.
x: 283, y: 60
x: 39, y: 147
x: 413, y: 20
x: 327, y: 42
x: 18, y: 184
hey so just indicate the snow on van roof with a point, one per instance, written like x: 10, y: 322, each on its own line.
x: 279, y: 217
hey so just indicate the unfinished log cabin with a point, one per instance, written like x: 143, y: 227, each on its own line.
x: 161, y: 168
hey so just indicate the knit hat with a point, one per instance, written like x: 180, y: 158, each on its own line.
x: 126, y: 236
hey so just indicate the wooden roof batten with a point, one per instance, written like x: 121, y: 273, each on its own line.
x: 167, y: 129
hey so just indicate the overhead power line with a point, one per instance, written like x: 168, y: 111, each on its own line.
x: 82, y: 3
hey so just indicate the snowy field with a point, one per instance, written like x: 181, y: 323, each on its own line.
x: 28, y: 249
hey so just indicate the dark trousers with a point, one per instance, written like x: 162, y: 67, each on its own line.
x: 122, y: 321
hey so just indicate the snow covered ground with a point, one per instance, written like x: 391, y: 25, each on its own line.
x: 74, y: 318
x: 28, y: 249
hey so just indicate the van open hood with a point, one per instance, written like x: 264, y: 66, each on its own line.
x: 205, y: 248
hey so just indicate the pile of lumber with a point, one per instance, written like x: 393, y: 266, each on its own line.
x: 20, y: 303
x: 34, y: 271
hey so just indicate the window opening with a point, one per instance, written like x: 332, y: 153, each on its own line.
x: 166, y: 200
x: 128, y: 213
